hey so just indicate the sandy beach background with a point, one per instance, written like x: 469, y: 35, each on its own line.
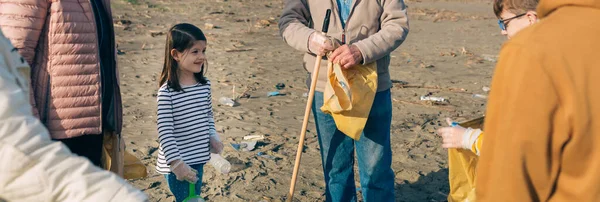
x: 450, y: 52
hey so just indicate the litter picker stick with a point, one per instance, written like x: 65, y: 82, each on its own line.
x: 311, y: 95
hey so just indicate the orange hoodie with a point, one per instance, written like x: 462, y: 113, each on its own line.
x: 543, y: 116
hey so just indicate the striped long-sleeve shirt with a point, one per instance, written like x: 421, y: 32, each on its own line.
x: 185, y: 121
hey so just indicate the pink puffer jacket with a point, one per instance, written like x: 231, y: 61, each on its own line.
x: 58, y: 39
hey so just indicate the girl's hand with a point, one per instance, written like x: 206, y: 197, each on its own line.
x: 452, y: 136
x: 183, y: 171
x: 216, y: 146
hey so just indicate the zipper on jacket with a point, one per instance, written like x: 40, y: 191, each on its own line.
x: 45, y: 117
x: 46, y: 102
x: 347, y: 19
x: 99, y: 66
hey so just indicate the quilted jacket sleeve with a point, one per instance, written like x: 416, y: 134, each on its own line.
x: 22, y: 22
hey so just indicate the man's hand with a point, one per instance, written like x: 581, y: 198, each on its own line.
x: 319, y: 43
x: 347, y: 56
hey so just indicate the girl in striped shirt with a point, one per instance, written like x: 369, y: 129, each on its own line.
x: 186, y: 128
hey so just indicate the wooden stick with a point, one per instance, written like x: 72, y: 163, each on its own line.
x: 309, y: 102
x: 311, y: 95
x: 242, y: 94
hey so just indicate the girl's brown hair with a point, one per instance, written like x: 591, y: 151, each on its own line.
x: 514, y: 6
x: 180, y: 37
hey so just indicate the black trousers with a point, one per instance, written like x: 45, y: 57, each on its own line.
x: 89, y: 146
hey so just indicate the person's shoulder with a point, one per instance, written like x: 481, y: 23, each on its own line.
x: 557, y: 39
x: 164, y: 90
x: 534, y: 40
x: 554, y: 32
x: 206, y: 84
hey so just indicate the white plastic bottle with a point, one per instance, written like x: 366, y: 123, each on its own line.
x: 219, y: 163
x: 227, y: 101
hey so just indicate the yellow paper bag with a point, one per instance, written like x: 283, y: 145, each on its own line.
x: 349, y: 95
x: 462, y: 164
x: 461, y: 175
x: 120, y: 162
x: 133, y: 168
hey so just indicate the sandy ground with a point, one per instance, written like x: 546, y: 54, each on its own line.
x: 450, y: 52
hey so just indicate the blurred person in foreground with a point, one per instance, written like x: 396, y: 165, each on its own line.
x: 32, y: 166
x: 465, y: 143
x: 71, y: 49
x: 542, y: 130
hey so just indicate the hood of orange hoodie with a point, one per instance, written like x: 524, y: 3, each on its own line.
x: 548, y: 6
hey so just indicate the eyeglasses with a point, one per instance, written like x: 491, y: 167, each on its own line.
x: 503, y: 23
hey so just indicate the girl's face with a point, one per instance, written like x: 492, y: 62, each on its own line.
x: 191, y: 60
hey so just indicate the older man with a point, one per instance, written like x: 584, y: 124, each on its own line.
x: 369, y: 32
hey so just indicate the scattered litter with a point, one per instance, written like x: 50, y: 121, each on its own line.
x: 215, y: 12
x: 274, y: 93
x: 422, y: 65
x: 305, y: 95
x: 210, y: 26
x: 399, y: 82
x: 450, y: 109
x: 490, y: 58
x: 485, y: 89
x: 464, y: 51
x: 473, y: 61
x: 254, y: 137
x: 156, y: 33
x: 245, y: 95
x: 452, y: 54
x: 264, y: 23
x: 242, y: 20
x: 154, y: 185
x: 227, y: 101
x: 280, y: 86
x: 244, y: 146
x: 458, y: 90
x: 120, y: 52
x: 435, y: 99
x: 480, y: 96
x: 238, y: 50
x: 262, y: 154
x: 123, y: 22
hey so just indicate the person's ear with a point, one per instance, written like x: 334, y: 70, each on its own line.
x: 532, y: 17
x: 176, y: 55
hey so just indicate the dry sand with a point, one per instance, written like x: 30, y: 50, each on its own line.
x: 450, y: 51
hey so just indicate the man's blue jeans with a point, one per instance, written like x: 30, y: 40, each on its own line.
x: 373, y: 152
